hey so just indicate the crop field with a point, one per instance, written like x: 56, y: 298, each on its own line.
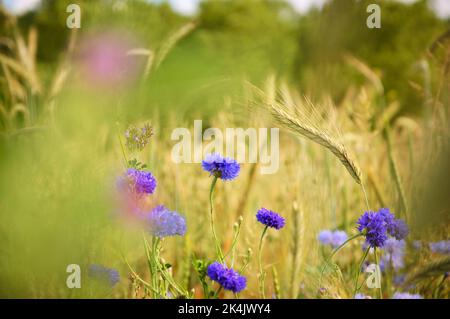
x: 244, y: 149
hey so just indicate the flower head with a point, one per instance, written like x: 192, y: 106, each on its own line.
x: 405, y: 295
x: 270, y: 218
x: 107, y: 275
x: 139, y: 182
x: 228, y: 278
x: 362, y: 296
x: 162, y: 222
x: 221, y: 167
x: 377, y: 225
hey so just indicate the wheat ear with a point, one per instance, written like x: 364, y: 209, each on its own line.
x: 296, y: 125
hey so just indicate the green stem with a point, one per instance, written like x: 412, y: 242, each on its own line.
x: 146, y: 284
x: 337, y: 250
x: 365, y: 195
x: 378, y: 273
x: 261, y: 272
x: 359, y: 270
x: 213, y: 229
x: 233, y: 245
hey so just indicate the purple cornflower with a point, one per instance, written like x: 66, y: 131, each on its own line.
x: 163, y: 222
x: 362, y: 296
x: 377, y: 225
x: 107, y: 275
x: 374, y: 225
x: 394, y: 252
x: 440, y: 247
x: 221, y: 167
x: 333, y: 238
x: 270, y: 218
x: 228, y: 278
x: 140, y: 182
x: 405, y: 295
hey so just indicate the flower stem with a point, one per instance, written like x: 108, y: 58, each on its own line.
x: 337, y: 250
x: 213, y: 229
x: 261, y: 272
x: 359, y: 270
x: 365, y: 195
x: 378, y: 273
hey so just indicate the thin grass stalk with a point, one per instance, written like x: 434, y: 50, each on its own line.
x: 395, y: 173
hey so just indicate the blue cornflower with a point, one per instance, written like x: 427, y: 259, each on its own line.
x: 333, y: 238
x: 375, y: 228
x: 405, y: 295
x: 140, y: 182
x: 377, y: 225
x: 270, y: 218
x: 440, y: 247
x: 163, y: 222
x: 221, y: 167
x: 394, y: 252
x: 228, y: 278
x: 107, y: 275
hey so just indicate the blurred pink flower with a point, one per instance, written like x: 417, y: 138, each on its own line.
x: 103, y: 60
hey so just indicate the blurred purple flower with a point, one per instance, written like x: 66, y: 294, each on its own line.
x: 163, y: 222
x: 333, y: 238
x: 440, y: 247
x: 107, y: 275
x: 394, y: 252
x: 406, y: 295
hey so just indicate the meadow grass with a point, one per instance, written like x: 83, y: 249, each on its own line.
x: 61, y: 157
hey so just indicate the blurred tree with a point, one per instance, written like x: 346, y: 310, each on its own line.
x: 403, y: 39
